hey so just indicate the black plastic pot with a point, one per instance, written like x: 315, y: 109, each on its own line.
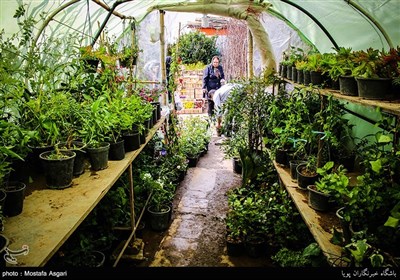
x: 378, y: 88
x: 59, y: 172
x: 159, y: 220
x: 98, y: 156
x: 80, y: 158
x: 117, y: 150
x: 34, y: 162
x: 318, y: 200
x: 14, y: 202
x: 293, y: 168
x: 348, y: 85
x: 237, y: 165
x: 131, y: 141
x: 303, y: 180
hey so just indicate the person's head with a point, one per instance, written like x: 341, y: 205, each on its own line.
x: 215, y: 61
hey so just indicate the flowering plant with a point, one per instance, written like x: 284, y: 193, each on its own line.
x: 150, y: 95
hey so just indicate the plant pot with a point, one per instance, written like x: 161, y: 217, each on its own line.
x: 303, y: 180
x: 289, y: 72
x: 98, y: 156
x: 157, y: 113
x: 59, y: 172
x: 316, y: 78
x: 300, y: 76
x: 90, y: 64
x: 34, y: 162
x: 193, y: 161
x: 159, y: 220
x: 80, y: 158
x: 142, y: 136
x: 20, y: 170
x: 117, y: 150
x: 281, y: 157
x: 139, y: 230
x: 99, y: 259
x: 131, y: 141
x: 348, y: 85
x: 283, y: 71
x: 14, y: 202
x: 255, y: 246
x: 294, y: 74
x: 307, y: 77
x: 377, y: 89
x: 234, y: 246
x: 237, y: 165
x: 293, y: 168
x: 318, y: 200
x: 181, y: 175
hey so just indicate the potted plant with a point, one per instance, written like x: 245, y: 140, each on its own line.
x: 90, y: 58
x: 373, y: 74
x: 332, y: 184
x: 159, y: 206
x: 307, y: 172
x: 129, y: 54
x: 58, y: 168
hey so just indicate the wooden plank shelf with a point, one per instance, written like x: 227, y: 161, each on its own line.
x: 49, y: 217
x: 388, y: 106
x: 319, y: 223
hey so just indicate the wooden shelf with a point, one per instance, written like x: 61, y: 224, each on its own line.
x: 391, y: 107
x: 49, y: 217
x: 313, y: 218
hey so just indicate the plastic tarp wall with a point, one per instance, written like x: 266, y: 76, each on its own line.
x: 325, y: 24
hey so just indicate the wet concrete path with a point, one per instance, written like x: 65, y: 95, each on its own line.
x: 196, y: 236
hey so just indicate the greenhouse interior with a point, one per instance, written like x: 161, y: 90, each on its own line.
x: 200, y: 133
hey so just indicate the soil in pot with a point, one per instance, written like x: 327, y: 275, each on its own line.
x: 305, y: 177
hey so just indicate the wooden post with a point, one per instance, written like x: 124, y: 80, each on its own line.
x: 162, y: 52
x: 250, y: 72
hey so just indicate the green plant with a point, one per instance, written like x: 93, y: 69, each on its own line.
x: 342, y: 64
x: 196, y: 46
x: 372, y: 63
x: 333, y: 181
x: 361, y: 254
x: 162, y: 192
x: 310, y: 256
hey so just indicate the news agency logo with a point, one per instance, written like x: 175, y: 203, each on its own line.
x: 10, y: 255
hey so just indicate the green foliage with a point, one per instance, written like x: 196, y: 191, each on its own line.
x: 333, y: 181
x: 196, y: 47
x: 311, y: 256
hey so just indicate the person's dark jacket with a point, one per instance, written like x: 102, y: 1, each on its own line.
x: 212, y: 80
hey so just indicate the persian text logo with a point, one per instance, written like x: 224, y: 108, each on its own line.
x: 9, y: 255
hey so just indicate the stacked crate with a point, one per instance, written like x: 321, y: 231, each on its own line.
x: 191, y: 92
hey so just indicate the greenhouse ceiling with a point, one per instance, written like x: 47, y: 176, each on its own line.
x: 323, y: 23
